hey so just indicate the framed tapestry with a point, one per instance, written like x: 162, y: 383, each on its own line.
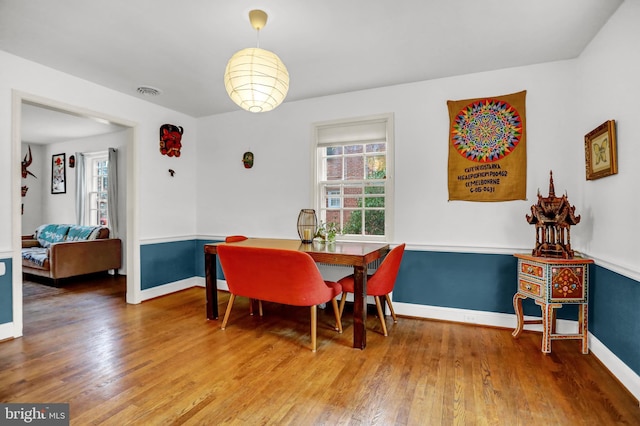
x: 58, y: 174
x: 600, y: 155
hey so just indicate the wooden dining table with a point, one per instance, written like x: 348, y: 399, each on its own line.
x: 356, y: 254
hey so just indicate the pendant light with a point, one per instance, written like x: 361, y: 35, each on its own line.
x: 256, y: 79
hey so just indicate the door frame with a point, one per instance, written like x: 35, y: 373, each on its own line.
x: 133, y: 295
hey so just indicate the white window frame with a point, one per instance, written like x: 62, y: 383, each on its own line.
x: 91, y: 210
x: 318, y: 172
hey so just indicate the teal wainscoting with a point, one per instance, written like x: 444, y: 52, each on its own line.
x: 164, y: 263
x: 482, y: 282
x: 614, y: 314
x: 6, y: 293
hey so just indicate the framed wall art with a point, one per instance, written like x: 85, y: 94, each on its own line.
x: 58, y: 174
x: 601, y: 158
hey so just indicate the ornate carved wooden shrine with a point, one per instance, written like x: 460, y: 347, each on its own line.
x: 552, y: 217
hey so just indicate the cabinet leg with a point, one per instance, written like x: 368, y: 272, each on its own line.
x: 583, y: 327
x: 548, y: 324
x: 517, y: 306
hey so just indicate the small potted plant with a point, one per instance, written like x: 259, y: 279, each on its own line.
x: 327, y: 232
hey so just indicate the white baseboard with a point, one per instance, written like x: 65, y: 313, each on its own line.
x: 163, y: 290
x: 619, y: 369
x: 222, y: 285
x: 7, y: 331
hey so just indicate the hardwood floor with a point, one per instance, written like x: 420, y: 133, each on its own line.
x: 162, y: 362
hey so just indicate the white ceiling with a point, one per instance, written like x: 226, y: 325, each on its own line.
x: 43, y: 126
x: 328, y: 46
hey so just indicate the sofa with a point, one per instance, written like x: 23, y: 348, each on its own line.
x: 58, y: 251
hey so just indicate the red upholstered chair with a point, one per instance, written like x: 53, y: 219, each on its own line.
x: 379, y: 284
x: 235, y: 239
x: 275, y: 275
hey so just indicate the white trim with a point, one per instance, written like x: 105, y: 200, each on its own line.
x: 160, y: 240
x: 7, y: 331
x: 133, y: 245
x: 619, y: 269
x: 222, y: 285
x: 16, y: 216
x: 165, y: 289
x: 620, y: 370
x: 388, y: 120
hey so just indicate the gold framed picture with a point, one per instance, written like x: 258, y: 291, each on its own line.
x: 601, y: 158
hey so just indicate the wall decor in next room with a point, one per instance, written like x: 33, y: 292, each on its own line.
x: 58, y: 174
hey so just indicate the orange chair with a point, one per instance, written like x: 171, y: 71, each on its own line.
x: 235, y: 239
x: 275, y: 275
x: 379, y: 284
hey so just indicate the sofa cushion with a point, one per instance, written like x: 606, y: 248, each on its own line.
x: 83, y: 233
x: 51, y: 234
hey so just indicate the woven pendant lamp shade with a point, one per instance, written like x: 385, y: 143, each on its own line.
x: 256, y: 79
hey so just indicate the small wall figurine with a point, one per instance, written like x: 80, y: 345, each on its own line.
x: 72, y: 161
x: 170, y: 140
x: 247, y: 159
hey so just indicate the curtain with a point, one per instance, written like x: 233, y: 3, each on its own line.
x: 112, y: 192
x: 81, y: 189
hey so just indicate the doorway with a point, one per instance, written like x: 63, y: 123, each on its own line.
x: 80, y: 115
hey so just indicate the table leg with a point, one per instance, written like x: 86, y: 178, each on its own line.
x: 359, y: 306
x: 211, y: 281
x: 517, y: 306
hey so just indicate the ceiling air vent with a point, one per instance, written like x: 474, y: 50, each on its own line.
x: 149, y: 91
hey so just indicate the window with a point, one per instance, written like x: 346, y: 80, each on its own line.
x: 333, y: 199
x: 97, y: 169
x: 353, y: 176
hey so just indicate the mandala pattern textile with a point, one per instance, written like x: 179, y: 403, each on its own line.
x: 487, y: 148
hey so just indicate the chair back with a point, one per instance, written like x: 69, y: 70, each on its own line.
x: 234, y: 238
x: 275, y: 275
x: 383, y: 280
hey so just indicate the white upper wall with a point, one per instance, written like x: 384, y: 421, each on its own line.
x: 565, y: 100
x: 609, y: 90
x: 265, y: 200
x: 165, y: 204
x: 212, y: 194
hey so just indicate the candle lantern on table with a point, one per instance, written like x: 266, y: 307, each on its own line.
x: 307, y: 225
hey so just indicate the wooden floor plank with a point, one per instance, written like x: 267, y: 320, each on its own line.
x: 162, y: 362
